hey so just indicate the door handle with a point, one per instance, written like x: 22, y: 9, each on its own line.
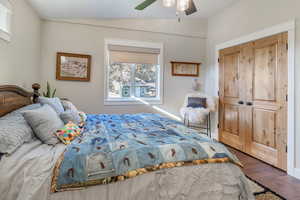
x: 241, y: 102
x: 249, y: 103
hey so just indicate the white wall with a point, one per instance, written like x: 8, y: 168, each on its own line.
x: 19, y: 59
x: 250, y: 16
x: 89, y: 39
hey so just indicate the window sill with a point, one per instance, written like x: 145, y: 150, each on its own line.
x: 132, y: 101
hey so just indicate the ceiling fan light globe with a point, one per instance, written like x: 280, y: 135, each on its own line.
x: 168, y: 3
x: 182, y: 5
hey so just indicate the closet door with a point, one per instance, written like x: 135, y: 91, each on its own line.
x: 253, y: 98
x: 230, y: 116
x: 266, y: 121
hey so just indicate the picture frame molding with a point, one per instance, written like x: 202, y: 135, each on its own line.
x: 58, y: 66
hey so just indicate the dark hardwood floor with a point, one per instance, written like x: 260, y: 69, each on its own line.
x: 270, y: 177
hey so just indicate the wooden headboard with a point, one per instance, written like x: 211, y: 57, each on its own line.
x: 13, y: 97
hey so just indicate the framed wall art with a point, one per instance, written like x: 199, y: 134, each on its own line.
x: 73, y: 67
x: 185, y: 69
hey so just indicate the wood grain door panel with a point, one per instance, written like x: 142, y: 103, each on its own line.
x: 264, y: 127
x: 231, y: 119
x: 268, y: 155
x: 262, y: 143
x: 231, y: 72
x: 232, y: 130
x: 265, y: 72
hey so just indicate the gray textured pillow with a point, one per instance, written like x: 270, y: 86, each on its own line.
x: 55, y: 103
x: 70, y: 115
x: 14, y: 131
x: 45, y: 122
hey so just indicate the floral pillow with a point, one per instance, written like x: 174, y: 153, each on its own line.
x: 68, y: 133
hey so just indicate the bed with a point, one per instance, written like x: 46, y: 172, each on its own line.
x: 28, y: 172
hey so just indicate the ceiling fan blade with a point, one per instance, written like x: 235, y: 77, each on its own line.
x: 192, y: 8
x: 145, y: 4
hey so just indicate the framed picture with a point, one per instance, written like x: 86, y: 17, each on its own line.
x: 185, y: 69
x: 73, y: 67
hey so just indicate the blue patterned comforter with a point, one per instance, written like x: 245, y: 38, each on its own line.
x: 114, y: 145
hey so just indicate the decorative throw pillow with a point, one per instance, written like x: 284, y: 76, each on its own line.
x: 55, y: 103
x: 70, y: 115
x: 68, y: 133
x: 196, y: 102
x: 44, y: 121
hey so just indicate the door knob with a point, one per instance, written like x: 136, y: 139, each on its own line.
x: 249, y: 103
x: 241, y: 102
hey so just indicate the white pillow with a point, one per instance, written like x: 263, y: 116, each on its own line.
x: 55, y: 103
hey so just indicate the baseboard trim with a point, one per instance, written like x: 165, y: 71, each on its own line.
x: 297, y: 173
x: 214, y: 135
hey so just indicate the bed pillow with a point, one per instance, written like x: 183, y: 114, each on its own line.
x: 45, y: 122
x: 55, y: 103
x: 68, y: 133
x: 68, y: 105
x: 14, y: 131
x: 70, y: 115
x: 20, y: 110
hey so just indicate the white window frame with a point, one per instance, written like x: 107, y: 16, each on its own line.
x: 131, y: 100
x: 6, y: 35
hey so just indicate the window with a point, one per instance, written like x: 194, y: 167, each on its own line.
x: 134, y: 72
x: 5, y: 20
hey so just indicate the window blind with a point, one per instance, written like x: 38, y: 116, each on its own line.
x: 129, y: 54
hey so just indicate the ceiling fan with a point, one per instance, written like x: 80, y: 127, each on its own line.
x: 187, y: 6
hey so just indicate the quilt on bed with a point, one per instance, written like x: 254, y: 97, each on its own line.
x: 116, y: 147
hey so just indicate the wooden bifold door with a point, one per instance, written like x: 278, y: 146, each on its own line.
x: 253, y: 98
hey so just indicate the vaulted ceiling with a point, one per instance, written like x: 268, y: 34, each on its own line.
x: 100, y: 9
